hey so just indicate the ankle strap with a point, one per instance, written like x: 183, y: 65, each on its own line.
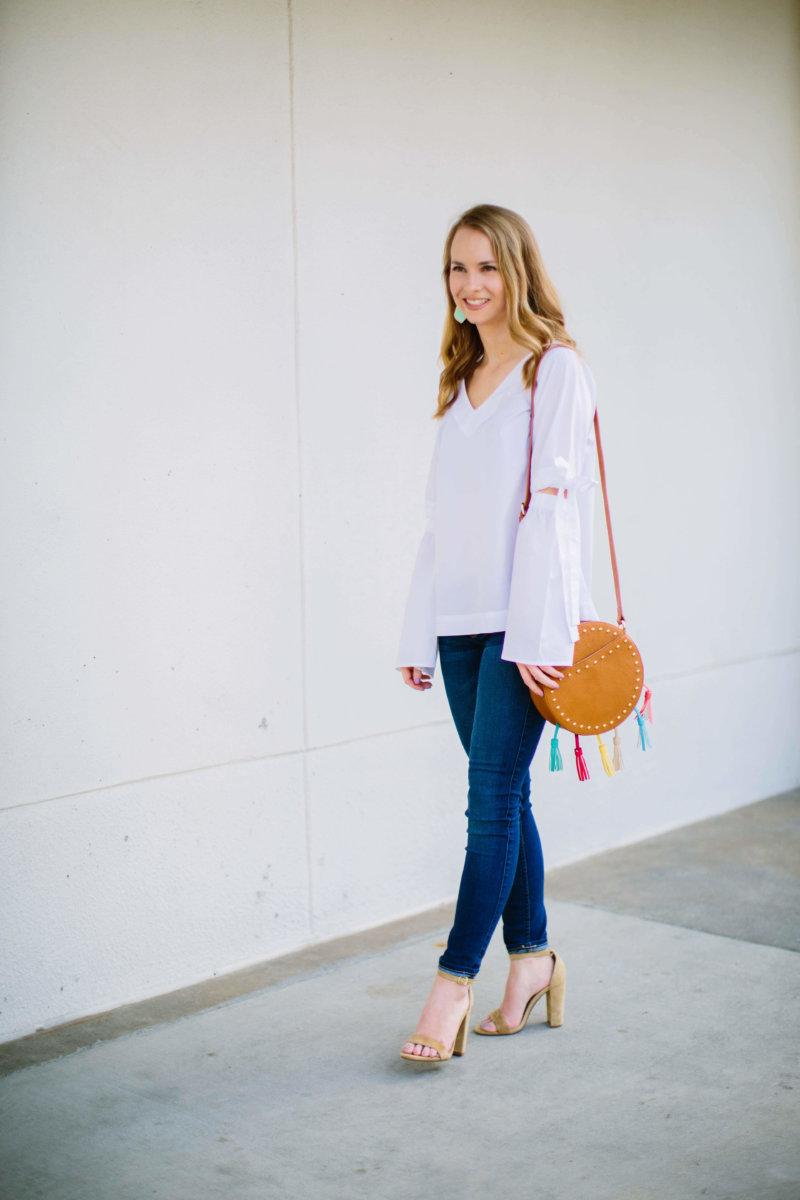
x: 464, y: 980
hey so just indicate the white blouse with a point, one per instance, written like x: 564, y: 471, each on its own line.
x: 481, y: 570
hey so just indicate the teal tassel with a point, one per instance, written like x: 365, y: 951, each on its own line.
x: 556, y: 761
x: 644, y: 736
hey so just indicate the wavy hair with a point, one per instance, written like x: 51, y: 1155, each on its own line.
x: 535, y: 318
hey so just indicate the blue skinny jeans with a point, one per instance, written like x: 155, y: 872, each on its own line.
x: 503, y: 874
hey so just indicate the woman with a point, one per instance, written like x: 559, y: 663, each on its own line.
x: 500, y: 599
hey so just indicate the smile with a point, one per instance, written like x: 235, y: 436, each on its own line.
x: 475, y: 303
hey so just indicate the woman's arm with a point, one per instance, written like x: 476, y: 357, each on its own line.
x: 536, y: 678
x: 418, y: 642
x: 544, y: 601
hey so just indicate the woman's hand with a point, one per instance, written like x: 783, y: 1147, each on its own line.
x: 416, y: 678
x: 537, y: 678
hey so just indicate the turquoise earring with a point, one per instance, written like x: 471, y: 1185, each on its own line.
x: 460, y: 316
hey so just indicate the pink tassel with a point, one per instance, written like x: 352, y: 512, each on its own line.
x: 647, y: 706
x: 580, y: 761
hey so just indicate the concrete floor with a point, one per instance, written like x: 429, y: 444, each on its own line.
x: 673, y: 1077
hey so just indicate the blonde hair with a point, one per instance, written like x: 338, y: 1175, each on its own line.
x: 535, y: 319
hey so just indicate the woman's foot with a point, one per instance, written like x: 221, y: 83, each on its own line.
x: 526, y: 976
x: 445, y: 1009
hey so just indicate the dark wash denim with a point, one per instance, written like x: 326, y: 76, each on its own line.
x: 503, y: 875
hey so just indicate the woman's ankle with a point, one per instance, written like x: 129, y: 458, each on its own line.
x: 531, y: 967
x: 454, y: 993
x: 461, y: 980
x: 541, y: 952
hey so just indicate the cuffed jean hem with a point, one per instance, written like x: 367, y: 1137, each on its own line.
x: 529, y: 951
x: 456, y: 976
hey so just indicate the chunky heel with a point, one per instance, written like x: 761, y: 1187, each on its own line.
x: 555, y: 1000
x: 460, y: 1044
x: 555, y: 995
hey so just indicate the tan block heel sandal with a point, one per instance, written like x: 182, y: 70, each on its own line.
x: 458, y: 1047
x: 555, y: 1002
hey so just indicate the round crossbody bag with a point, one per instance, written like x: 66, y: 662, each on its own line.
x: 605, y: 682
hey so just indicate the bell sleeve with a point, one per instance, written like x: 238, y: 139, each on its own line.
x: 547, y: 582
x: 418, y: 642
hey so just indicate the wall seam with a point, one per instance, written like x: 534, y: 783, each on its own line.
x: 300, y: 496
x: 305, y: 750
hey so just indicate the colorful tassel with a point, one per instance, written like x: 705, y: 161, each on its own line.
x: 556, y: 761
x: 647, y: 705
x: 618, y: 763
x: 606, y: 761
x: 580, y: 761
x: 644, y: 736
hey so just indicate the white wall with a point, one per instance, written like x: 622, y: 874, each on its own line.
x: 223, y: 225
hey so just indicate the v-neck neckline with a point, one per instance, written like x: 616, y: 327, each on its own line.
x: 469, y: 419
x: 477, y: 408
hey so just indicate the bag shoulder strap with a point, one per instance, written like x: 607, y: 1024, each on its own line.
x: 602, y: 464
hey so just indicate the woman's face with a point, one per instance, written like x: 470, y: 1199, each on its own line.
x: 475, y: 281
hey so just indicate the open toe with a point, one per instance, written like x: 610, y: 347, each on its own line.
x: 436, y: 1050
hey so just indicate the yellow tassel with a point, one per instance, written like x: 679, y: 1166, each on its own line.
x: 618, y: 763
x: 607, y: 767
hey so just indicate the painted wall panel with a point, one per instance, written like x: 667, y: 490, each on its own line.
x: 117, y: 895
x: 148, y: 380
x: 387, y: 827
x: 655, y: 153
